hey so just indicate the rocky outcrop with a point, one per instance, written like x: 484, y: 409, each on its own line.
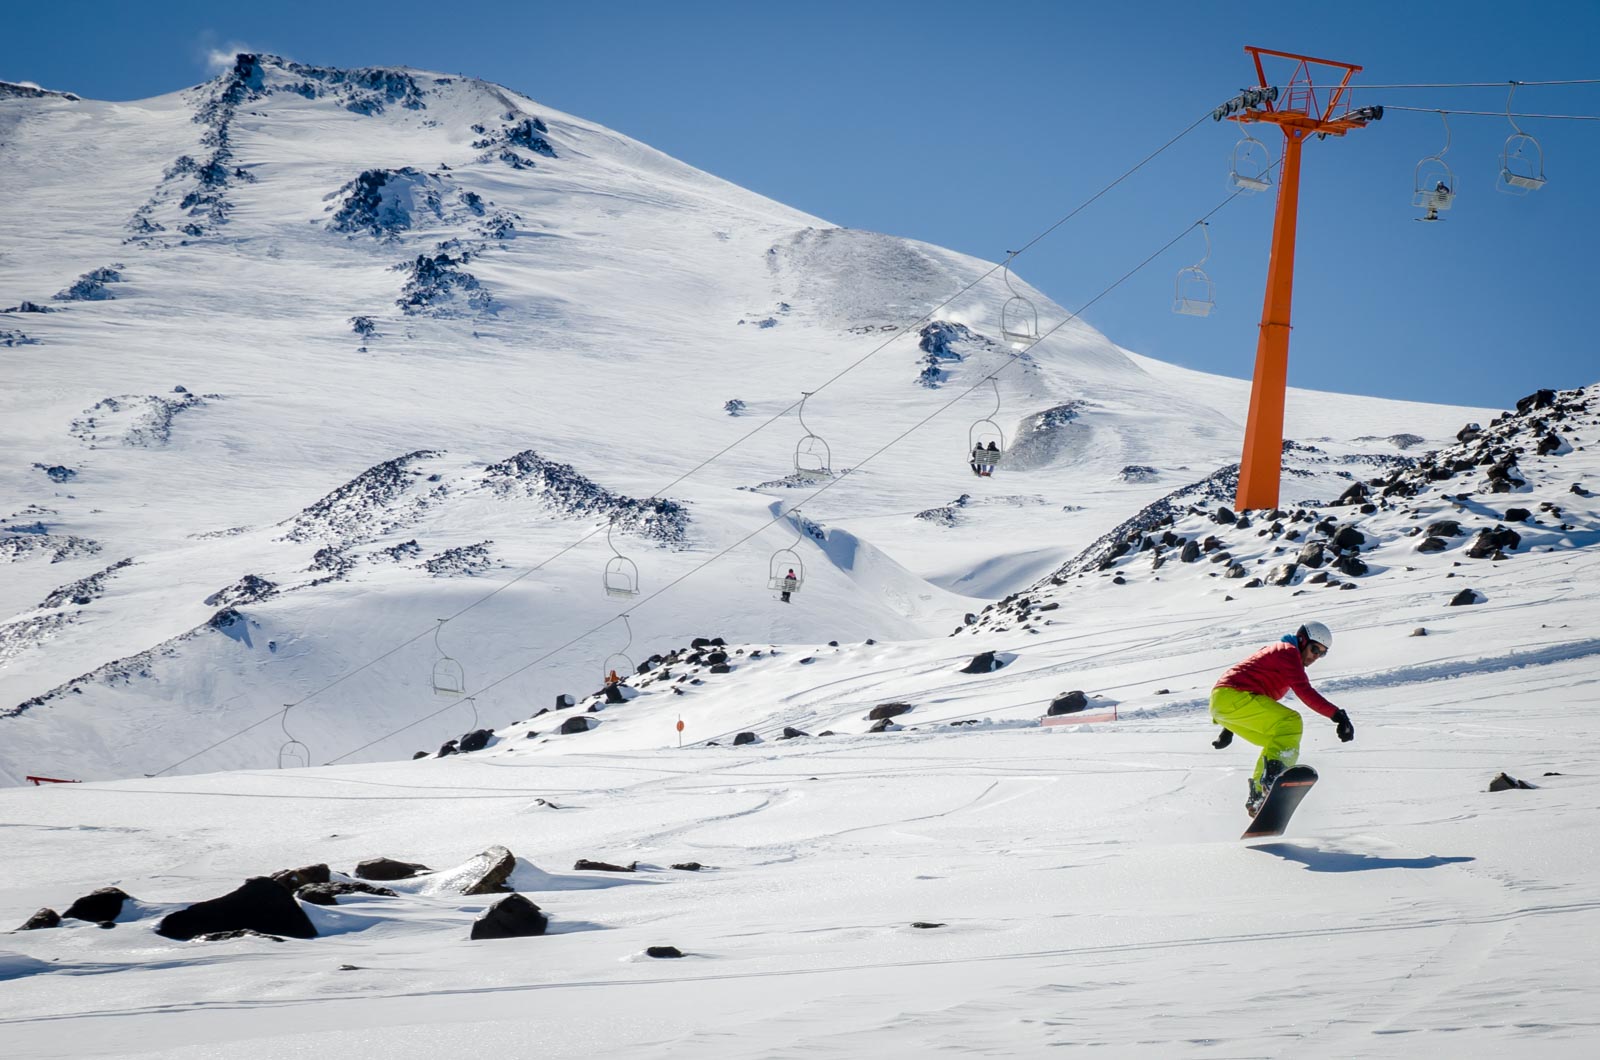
x: 260, y: 904
x: 512, y: 917
x: 389, y: 869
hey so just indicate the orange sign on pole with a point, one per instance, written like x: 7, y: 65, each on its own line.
x: 680, y: 732
x: 1301, y: 110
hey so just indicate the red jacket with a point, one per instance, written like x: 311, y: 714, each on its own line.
x: 1272, y: 672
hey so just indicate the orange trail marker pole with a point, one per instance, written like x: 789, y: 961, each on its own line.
x: 680, y: 732
x: 1301, y: 110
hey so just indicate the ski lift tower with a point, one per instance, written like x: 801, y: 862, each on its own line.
x: 1304, y: 108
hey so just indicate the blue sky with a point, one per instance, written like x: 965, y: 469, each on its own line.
x: 976, y: 126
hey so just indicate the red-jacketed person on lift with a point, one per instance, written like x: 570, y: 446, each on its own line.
x: 1245, y: 703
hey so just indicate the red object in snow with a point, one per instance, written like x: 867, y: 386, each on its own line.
x: 50, y: 780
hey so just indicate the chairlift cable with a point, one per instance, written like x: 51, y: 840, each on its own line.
x: 809, y: 498
x: 741, y: 440
x: 1495, y: 113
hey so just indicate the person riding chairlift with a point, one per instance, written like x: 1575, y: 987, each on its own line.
x: 790, y: 584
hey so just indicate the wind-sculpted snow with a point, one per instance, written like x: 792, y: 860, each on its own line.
x: 437, y: 285
x: 140, y: 421
x: 92, y: 286
x: 12, y: 90
x: 1042, y: 436
x: 465, y: 560
x: 85, y: 590
x: 569, y: 492
x: 385, y: 202
x: 381, y: 498
x: 16, y: 337
x: 139, y: 666
x: 938, y: 340
x: 525, y: 132
x: 14, y: 546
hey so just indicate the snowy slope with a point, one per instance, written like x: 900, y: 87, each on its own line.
x: 175, y: 565
x: 344, y: 268
x: 997, y: 888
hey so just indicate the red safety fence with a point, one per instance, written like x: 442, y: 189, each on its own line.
x: 50, y: 780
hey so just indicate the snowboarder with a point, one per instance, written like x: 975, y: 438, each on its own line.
x: 1245, y: 702
x: 790, y: 584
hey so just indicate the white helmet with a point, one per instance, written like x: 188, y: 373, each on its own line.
x: 1316, y: 631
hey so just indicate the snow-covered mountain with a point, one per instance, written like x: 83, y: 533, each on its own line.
x: 302, y: 360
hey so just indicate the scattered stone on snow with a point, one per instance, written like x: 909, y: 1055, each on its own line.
x: 97, y: 906
x: 663, y: 951
x: 389, y: 869
x: 260, y: 904
x: 511, y: 917
x: 326, y: 893
x: 585, y: 865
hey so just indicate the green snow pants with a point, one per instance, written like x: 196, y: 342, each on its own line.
x: 1264, y: 722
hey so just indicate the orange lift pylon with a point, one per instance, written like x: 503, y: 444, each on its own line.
x: 1301, y: 110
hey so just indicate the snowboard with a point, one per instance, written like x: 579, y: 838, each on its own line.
x: 1285, y: 796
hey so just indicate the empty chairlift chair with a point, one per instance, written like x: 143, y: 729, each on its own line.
x: 1019, y: 318
x: 293, y: 754
x: 1521, y: 159
x: 621, y: 576
x: 812, y: 457
x: 1250, y: 166
x: 449, y: 679
x: 1193, y: 293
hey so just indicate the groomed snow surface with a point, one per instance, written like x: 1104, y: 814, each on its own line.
x: 175, y: 564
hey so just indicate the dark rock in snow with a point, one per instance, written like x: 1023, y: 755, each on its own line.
x: 238, y: 933
x: 327, y: 893
x: 1190, y: 552
x: 1348, y: 539
x: 44, y: 918
x: 792, y: 733
x: 577, y: 724
x: 1282, y: 574
x: 1518, y: 515
x: 1507, y: 782
x: 881, y: 725
x: 246, y: 590
x: 743, y: 738
x: 887, y: 710
x: 511, y: 917
x: 292, y: 880
x: 1354, y: 566
x: 486, y: 873
x: 1310, y: 554
x: 1463, y: 598
x: 389, y: 869
x: 663, y: 951
x: 982, y: 663
x: 476, y: 740
x: 1491, y: 540
x: 926, y: 924
x: 259, y: 904
x: 97, y: 906
x: 613, y: 694
x: 565, y: 700
x: 1432, y: 544
x: 1068, y: 703
x: 1420, y: 631
x: 585, y: 865
x: 688, y: 866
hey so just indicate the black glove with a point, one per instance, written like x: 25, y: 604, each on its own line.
x: 1347, y: 731
x: 1224, y: 738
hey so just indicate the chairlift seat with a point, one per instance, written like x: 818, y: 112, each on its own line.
x: 449, y: 679
x: 1247, y: 182
x: 1193, y: 307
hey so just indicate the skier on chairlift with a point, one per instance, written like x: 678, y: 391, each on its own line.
x: 613, y: 679
x: 1246, y: 698
x: 790, y: 584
